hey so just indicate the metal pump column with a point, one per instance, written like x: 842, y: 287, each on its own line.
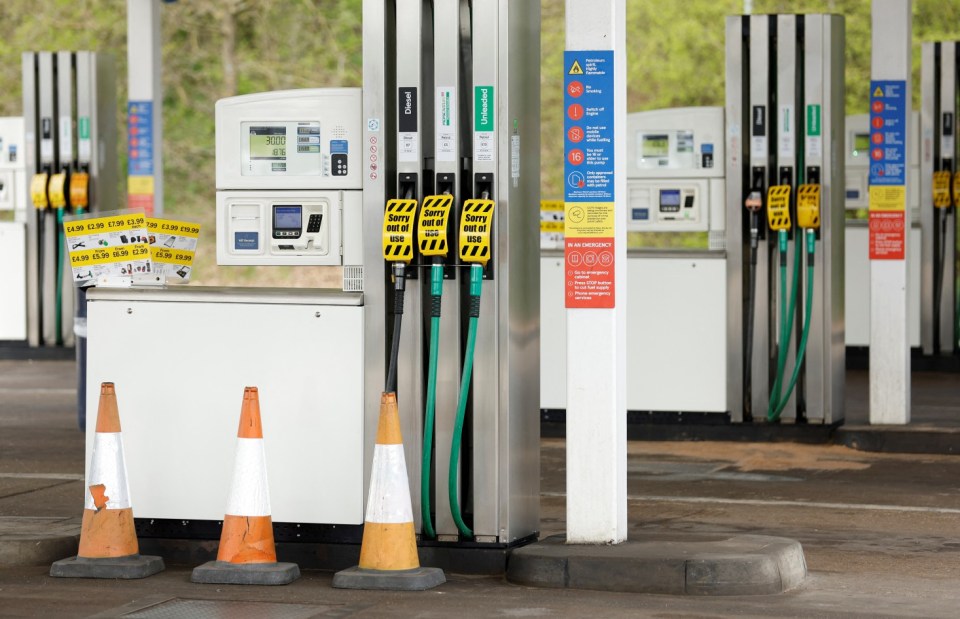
x: 937, y: 205
x: 448, y: 37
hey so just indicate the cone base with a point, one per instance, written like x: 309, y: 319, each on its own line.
x: 226, y: 573
x: 129, y: 567
x: 419, y: 579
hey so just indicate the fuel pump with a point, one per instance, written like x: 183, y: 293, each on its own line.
x: 939, y: 91
x: 69, y: 102
x: 784, y: 114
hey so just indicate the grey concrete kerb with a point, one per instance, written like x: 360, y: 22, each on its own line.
x: 695, y: 565
x: 37, y: 541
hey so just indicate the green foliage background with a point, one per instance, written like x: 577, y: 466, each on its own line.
x: 219, y: 48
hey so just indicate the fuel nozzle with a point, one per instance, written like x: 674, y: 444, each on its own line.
x: 398, y: 220
x: 38, y: 189
x: 808, y: 206
x: 942, y: 194
x: 754, y: 204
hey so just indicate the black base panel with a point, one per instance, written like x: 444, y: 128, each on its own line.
x: 457, y: 558
x: 858, y: 358
x: 20, y: 351
x: 282, y: 531
x: 680, y: 426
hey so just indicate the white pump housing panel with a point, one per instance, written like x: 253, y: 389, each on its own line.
x: 288, y: 178
x: 675, y: 177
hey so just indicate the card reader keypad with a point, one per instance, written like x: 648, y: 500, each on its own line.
x: 339, y: 164
x: 313, y: 224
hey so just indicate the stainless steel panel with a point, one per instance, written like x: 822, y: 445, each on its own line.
x: 929, y: 160
x: 737, y: 137
x: 948, y: 154
x: 66, y: 127
x: 832, y: 243
x: 785, y: 149
x: 101, y: 85
x: 519, y: 277
x: 219, y: 294
x: 379, y: 113
x: 490, y: 40
x: 410, y: 63
x: 48, y: 218
x: 31, y: 156
x: 817, y: 72
x: 760, y: 156
x: 447, y: 43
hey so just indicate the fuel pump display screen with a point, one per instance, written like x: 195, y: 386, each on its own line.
x: 655, y: 145
x: 287, y: 221
x: 282, y: 148
x: 669, y: 200
x: 268, y: 143
x: 861, y: 143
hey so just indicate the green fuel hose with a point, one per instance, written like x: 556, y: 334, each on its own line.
x: 61, y: 254
x: 476, y: 279
x: 786, y: 319
x: 774, y: 414
x: 436, y: 291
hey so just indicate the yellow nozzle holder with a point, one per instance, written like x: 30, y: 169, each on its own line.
x: 38, y: 190
x: 808, y: 206
x: 57, y: 190
x: 778, y: 207
x: 476, y: 220
x: 432, y: 225
x: 79, y: 190
x: 398, y: 219
x: 941, y: 189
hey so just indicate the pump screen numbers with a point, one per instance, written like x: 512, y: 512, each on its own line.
x: 268, y: 143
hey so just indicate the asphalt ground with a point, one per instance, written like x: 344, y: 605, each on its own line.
x: 881, y: 531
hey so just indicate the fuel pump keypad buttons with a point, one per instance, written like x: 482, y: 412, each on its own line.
x: 398, y: 219
x: 476, y: 219
x: 432, y: 225
x: 314, y: 222
x: 778, y: 207
x: 808, y: 206
x: 941, y: 189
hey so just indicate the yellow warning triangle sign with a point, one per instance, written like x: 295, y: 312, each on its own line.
x: 575, y: 68
x: 878, y: 92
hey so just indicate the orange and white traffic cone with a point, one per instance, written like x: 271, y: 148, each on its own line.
x: 247, y: 553
x: 108, y: 539
x: 388, y: 552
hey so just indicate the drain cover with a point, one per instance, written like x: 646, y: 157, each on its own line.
x: 227, y: 609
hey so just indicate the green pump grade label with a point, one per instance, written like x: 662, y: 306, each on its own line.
x: 813, y: 120
x: 483, y: 102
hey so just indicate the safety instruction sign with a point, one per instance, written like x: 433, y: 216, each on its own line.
x: 109, y: 244
x: 888, y: 169
x: 173, y: 245
x: 140, y: 146
x: 588, y: 101
x: 551, y: 224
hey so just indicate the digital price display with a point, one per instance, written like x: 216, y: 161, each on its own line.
x: 861, y: 143
x: 268, y: 143
x: 656, y: 145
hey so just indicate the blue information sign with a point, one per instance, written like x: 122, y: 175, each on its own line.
x: 140, y: 138
x: 888, y: 121
x: 588, y: 126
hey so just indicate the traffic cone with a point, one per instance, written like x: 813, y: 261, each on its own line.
x: 108, y: 539
x: 388, y: 551
x: 247, y: 554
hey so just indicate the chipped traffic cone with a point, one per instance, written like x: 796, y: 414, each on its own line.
x: 108, y: 539
x: 388, y: 552
x: 247, y: 554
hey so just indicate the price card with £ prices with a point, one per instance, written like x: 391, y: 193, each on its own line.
x: 112, y: 244
x: 173, y: 245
